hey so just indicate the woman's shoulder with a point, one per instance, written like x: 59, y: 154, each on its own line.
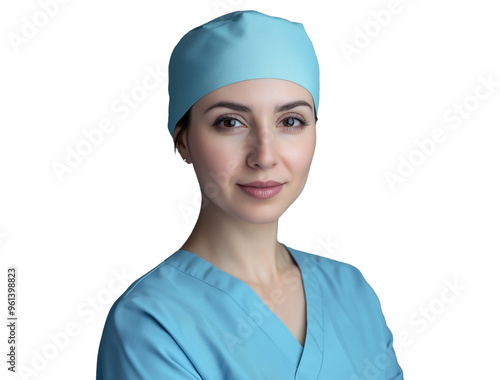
x: 150, y: 289
x: 335, y: 274
x: 341, y: 284
x: 311, y: 262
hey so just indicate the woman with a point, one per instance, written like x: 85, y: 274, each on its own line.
x: 233, y: 302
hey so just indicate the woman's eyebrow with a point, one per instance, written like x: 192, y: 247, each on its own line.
x: 292, y: 105
x: 242, y: 108
x: 230, y: 105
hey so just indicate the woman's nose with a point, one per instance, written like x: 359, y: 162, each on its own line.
x: 262, y: 152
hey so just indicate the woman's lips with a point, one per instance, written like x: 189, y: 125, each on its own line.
x: 261, y: 190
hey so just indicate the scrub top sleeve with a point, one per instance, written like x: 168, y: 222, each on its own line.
x: 135, y: 346
x: 394, y: 371
x: 386, y: 358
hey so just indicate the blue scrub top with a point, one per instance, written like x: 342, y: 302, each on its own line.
x: 187, y: 319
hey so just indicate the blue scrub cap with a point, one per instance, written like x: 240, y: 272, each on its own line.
x: 235, y: 47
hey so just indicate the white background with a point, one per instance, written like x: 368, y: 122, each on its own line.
x: 131, y: 202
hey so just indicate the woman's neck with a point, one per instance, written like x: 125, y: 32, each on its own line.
x: 250, y: 252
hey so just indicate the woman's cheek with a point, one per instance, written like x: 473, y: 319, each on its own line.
x: 215, y: 164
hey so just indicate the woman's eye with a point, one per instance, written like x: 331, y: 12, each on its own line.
x: 230, y: 123
x: 292, y: 122
x: 227, y: 122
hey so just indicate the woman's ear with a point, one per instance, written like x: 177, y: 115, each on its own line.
x: 182, y: 145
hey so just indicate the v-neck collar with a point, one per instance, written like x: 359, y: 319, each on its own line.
x: 306, y: 360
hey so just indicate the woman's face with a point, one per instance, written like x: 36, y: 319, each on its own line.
x: 255, y: 130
